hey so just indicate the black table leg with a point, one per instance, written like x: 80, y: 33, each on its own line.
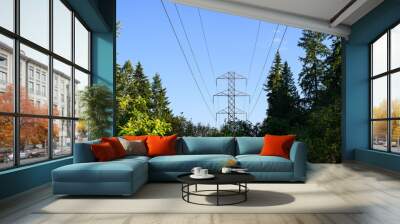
x: 217, y: 194
x: 195, y: 188
x: 245, y: 193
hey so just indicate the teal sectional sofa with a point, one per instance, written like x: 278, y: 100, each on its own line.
x: 125, y: 176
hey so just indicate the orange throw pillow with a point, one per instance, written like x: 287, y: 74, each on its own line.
x: 161, y: 145
x: 135, y: 138
x: 103, y: 152
x: 277, y: 145
x: 116, y: 145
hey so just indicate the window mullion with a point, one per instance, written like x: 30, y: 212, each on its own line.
x: 50, y: 81
x: 73, y: 82
x: 389, y: 106
x: 16, y: 84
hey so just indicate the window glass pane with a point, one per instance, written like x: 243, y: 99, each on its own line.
x: 62, y: 138
x: 34, y: 97
x: 6, y: 74
x: 395, y: 94
x: 6, y: 142
x: 62, y: 29
x: 379, y: 97
x: 33, y: 140
x: 379, y: 135
x: 395, y: 47
x: 379, y: 55
x: 81, y: 131
x: 81, y: 82
x: 62, y: 89
x: 7, y: 14
x: 35, y: 21
x: 81, y: 45
x: 395, y: 136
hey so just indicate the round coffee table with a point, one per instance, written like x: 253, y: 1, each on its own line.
x: 238, y: 179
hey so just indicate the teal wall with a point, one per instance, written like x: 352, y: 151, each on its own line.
x: 103, y: 60
x: 24, y: 178
x: 356, y: 83
x: 100, y: 17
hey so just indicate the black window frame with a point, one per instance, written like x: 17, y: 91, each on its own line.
x: 388, y: 74
x: 16, y: 114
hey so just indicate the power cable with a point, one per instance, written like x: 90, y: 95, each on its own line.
x: 254, y: 50
x: 259, y: 94
x: 186, y: 59
x: 192, y: 51
x: 266, y: 60
x: 206, y: 43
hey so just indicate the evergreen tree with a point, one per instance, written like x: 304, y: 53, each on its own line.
x: 142, y: 84
x: 282, y: 98
x: 324, y: 122
x: 159, y: 100
x: 311, y: 75
x: 124, y: 88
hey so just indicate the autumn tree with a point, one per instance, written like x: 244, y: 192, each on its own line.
x: 33, y: 131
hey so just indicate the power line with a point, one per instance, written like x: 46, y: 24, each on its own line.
x: 186, y: 59
x: 206, y: 43
x: 266, y: 60
x: 259, y: 94
x: 254, y: 49
x: 192, y: 51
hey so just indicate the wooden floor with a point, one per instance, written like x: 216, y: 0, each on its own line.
x: 378, y: 189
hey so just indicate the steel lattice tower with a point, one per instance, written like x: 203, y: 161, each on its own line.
x: 231, y: 93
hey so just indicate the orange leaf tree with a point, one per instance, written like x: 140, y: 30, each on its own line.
x: 33, y: 131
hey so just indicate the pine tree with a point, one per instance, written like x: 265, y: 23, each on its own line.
x: 124, y: 88
x: 142, y: 84
x: 159, y: 100
x: 311, y: 75
x: 323, y: 132
x: 283, y: 99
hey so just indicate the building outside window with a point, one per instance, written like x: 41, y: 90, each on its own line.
x: 3, y: 72
x: 30, y: 87
x: 30, y: 72
x: 385, y: 94
x: 34, y: 75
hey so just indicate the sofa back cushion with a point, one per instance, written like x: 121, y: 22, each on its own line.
x: 104, y: 151
x: 161, y: 145
x: 116, y: 145
x: 249, y: 145
x: 207, y: 145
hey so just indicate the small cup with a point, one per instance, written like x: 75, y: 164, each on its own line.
x: 196, y: 171
x: 226, y: 170
x: 203, y: 172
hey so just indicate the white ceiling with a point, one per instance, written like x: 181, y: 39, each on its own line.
x: 318, y: 15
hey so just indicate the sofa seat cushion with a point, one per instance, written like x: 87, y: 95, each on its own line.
x: 113, y: 171
x: 185, y: 163
x: 257, y: 163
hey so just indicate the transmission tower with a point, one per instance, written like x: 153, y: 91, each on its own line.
x: 231, y: 93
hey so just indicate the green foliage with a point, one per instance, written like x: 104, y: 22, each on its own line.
x: 321, y: 84
x: 143, y: 109
x: 97, y: 102
x: 140, y: 122
x: 184, y: 127
x: 239, y: 128
x: 283, y: 100
x: 312, y: 73
x: 159, y: 103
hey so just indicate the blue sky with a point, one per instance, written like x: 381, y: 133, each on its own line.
x: 146, y: 36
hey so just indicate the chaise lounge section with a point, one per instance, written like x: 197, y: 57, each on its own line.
x: 125, y: 176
